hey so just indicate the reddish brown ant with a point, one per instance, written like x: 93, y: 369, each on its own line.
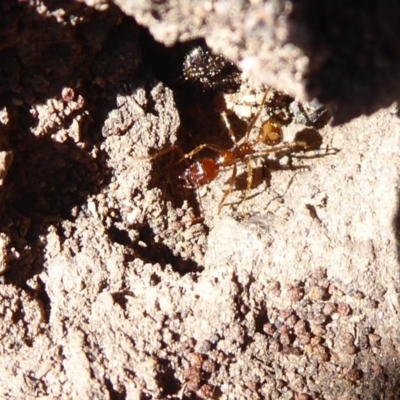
x: 205, y: 170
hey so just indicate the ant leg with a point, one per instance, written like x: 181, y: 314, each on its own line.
x: 221, y: 108
x: 249, y: 182
x: 229, y: 127
x: 182, y: 155
x: 161, y: 153
x: 255, y: 118
x: 200, y: 148
x: 295, y: 146
x: 229, y: 190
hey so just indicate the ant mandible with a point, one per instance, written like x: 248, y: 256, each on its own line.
x: 205, y: 170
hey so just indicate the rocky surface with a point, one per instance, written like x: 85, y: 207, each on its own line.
x: 118, y: 282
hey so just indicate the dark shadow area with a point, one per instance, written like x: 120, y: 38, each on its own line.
x: 190, y: 66
x: 148, y: 250
x: 43, y: 297
x: 354, y: 53
x: 153, y: 252
x: 98, y: 57
x: 396, y: 227
x: 34, y: 69
x: 121, y: 298
x: 165, y: 376
x: 47, y: 182
x: 115, y: 394
x: 311, y: 137
x: 196, y: 82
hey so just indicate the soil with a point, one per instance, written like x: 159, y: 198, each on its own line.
x: 120, y: 282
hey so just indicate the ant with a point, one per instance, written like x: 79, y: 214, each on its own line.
x: 205, y: 170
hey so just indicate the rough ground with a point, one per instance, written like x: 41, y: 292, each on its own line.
x: 113, y: 288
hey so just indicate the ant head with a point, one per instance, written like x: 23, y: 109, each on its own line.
x: 200, y: 173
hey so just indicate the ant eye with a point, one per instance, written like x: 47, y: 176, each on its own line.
x: 271, y: 132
